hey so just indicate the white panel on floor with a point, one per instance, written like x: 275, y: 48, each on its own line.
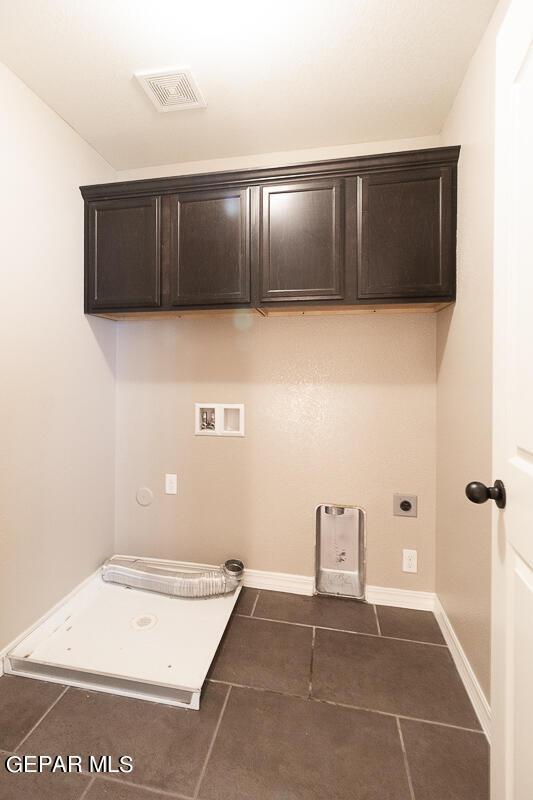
x: 127, y: 641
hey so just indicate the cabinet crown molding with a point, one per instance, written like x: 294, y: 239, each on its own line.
x: 434, y: 156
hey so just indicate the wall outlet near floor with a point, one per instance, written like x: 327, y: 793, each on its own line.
x: 410, y: 561
x: 171, y: 484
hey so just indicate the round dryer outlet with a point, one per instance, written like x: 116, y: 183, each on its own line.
x: 144, y: 496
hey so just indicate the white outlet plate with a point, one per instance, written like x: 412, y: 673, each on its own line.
x: 171, y: 484
x: 410, y: 561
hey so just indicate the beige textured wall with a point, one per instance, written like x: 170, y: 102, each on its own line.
x: 464, y: 354
x: 57, y: 395
x: 279, y: 159
x: 338, y: 409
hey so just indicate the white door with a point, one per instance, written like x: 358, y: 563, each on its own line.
x: 512, y: 599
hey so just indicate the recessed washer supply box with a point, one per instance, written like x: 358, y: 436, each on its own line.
x: 111, y: 638
x: 219, y: 419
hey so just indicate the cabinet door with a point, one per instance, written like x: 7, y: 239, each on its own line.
x: 301, y: 254
x: 123, y: 263
x: 209, y: 253
x: 406, y: 234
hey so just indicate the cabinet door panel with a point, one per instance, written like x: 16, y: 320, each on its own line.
x: 123, y: 254
x: 301, y: 244
x: 405, y: 234
x: 209, y: 258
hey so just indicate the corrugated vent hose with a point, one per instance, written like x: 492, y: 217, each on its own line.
x: 140, y: 574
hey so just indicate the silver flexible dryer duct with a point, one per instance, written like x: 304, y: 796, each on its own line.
x: 179, y: 582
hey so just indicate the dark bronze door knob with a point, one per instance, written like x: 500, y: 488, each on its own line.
x: 479, y: 493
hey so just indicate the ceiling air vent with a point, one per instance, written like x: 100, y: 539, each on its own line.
x: 172, y: 91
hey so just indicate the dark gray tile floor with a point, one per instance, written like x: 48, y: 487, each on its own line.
x: 271, y: 745
x: 326, y: 612
x: 246, y: 602
x: 308, y: 698
x: 21, y: 707
x: 401, y: 623
x: 265, y: 655
x: 168, y: 747
x: 446, y: 762
x: 392, y: 675
x: 110, y: 790
x: 44, y: 786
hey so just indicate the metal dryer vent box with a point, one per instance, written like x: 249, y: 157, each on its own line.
x: 340, y: 551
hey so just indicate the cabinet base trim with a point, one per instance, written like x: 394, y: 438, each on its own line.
x: 399, y: 308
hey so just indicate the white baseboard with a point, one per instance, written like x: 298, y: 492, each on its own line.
x: 305, y: 584
x: 279, y: 581
x: 401, y: 598
x: 464, y: 668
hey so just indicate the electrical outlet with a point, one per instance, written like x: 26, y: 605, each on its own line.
x: 410, y: 561
x: 171, y: 484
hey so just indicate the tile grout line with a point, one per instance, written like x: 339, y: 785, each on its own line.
x: 131, y: 785
x: 211, y: 745
x: 252, y: 612
x: 347, y: 705
x: 400, y: 716
x: 260, y: 689
x: 377, y: 619
x: 343, y: 630
x: 311, y: 663
x: 65, y: 690
x: 87, y: 788
x: 405, y: 760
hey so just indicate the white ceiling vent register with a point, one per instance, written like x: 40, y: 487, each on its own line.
x: 174, y: 90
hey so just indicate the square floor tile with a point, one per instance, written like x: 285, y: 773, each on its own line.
x: 406, y: 678
x: 403, y: 623
x: 168, y: 744
x: 23, y: 701
x: 41, y: 786
x: 266, y: 655
x: 246, y: 601
x: 328, y: 612
x: 446, y: 763
x: 271, y: 747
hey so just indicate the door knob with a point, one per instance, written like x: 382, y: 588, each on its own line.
x: 479, y: 493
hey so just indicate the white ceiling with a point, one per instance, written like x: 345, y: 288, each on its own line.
x: 277, y: 75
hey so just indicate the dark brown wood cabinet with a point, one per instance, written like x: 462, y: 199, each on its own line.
x: 123, y: 253
x: 406, y: 238
x: 301, y: 255
x: 367, y: 231
x: 209, y: 247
